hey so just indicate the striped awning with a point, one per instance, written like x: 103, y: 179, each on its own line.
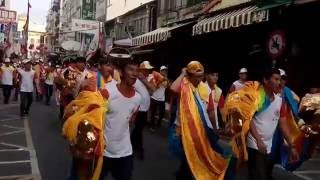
x: 158, y: 35
x: 232, y: 19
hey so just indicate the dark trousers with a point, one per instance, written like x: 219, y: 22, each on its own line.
x: 38, y: 94
x: 184, y: 171
x: 259, y: 165
x: 48, y: 91
x: 136, y: 135
x: 6, y: 93
x: 16, y: 93
x: 154, y: 106
x: 26, y: 101
x: 120, y: 168
x: 81, y: 169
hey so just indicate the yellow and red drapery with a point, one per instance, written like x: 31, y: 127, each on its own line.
x: 204, y: 162
x: 89, y: 108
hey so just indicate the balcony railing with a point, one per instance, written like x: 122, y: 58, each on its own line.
x: 175, y: 5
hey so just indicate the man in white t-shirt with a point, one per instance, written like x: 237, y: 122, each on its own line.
x: 48, y: 83
x: 123, y: 105
x: 158, y: 100
x: 144, y: 88
x: 26, y: 87
x: 243, y: 77
x: 216, y: 98
x: 262, y: 129
x: 7, y: 74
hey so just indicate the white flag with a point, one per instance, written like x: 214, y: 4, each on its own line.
x: 82, y: 47
x: 9, y: 45
x: 93, y: 45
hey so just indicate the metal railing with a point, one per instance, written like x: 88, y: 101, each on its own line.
x: 176, y: 5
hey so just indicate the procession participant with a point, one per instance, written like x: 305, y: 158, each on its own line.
x: 113, y: 58
x: 123, y: 105
x: 57, y: 73
x: 158, y: 99
x: 243, y: 76
x: 7, y: 73
x: 216, y: 98
x: 48, y: 84
x: 279, y: 147
x: 70, y: 81
x: 37, y: 67
x: 104, y: 74
x: 26, y: 87
x: 256, y: 110
x: 143, y: 87
x: 83, y: 128
x: 192, y: 133
x: 16, y: 82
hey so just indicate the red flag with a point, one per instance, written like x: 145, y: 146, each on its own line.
x: 25, y: 31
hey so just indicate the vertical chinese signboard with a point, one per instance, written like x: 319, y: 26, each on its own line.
x: 88, y: 9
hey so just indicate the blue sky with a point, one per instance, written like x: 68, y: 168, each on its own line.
x: 38, y: 11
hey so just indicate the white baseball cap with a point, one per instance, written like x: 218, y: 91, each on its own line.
x: 6, y: 60
x: 243, y: 70
x: 25, y: 61
x: 146, y: 65
x: 163, y: 68
x: 282, y: 72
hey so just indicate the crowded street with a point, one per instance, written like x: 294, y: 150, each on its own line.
x: 27, y: 153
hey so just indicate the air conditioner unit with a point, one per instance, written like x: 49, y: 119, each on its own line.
x: 118, y: 21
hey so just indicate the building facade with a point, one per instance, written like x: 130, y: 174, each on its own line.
x: 52, y: 27
x: 36, y: 34
x: 128, y: 19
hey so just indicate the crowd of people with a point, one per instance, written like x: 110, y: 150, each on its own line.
x: 26, y: 76
x: 210, y: 131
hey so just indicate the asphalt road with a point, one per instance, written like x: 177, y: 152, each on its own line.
x: 32, y: 148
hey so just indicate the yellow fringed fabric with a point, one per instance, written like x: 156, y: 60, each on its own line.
x: 242, y: 104
x: 204, y: 94
x: 96, y: 117
x: 204, y: 162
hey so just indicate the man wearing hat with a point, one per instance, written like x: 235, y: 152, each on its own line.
x: 158, y: 98
x: 190, y: 135
x: 144, y: 88
x: 243, y: 77
x: 26, y: 88
x: 38, y: 68
x: 7, y: 74
x: 69, y: 83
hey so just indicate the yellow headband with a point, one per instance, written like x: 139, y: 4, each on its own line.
x: 195, y: 67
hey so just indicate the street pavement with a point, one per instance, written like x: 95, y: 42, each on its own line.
x: 32, y: 148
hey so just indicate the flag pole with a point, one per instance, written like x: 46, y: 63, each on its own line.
x: 26, y: 30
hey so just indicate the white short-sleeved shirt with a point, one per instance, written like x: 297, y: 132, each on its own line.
x: 238, y: 85
x: 159, y: 94
x: 213, y: 93
x: 7, y: 75
x: 27, y: 78
x: 266, y: 123
x: 49, y: 78
x: 116, y: 131
x: 145, y: 95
